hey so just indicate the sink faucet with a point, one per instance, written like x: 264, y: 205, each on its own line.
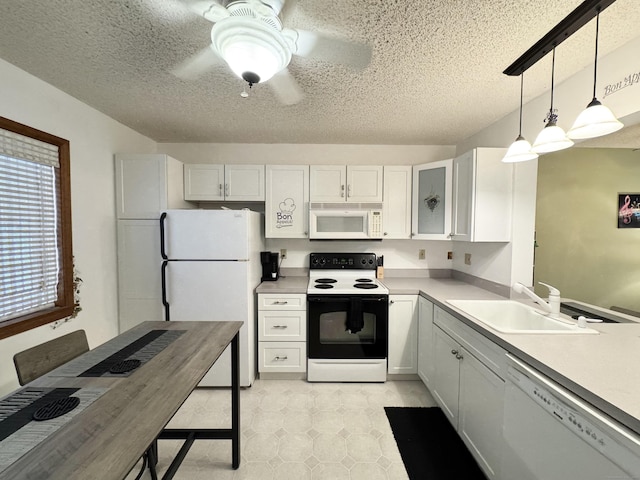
x: 552, y: 306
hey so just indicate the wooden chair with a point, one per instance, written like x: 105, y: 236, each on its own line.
x: 41, y: 359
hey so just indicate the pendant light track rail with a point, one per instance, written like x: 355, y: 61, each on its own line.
x: 558, y: 34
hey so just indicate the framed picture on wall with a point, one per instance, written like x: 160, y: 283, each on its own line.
x: 629, y: 210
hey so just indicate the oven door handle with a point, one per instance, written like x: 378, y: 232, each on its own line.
x: 333, y: 298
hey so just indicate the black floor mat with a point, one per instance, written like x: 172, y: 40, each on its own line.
x: 430, y: 447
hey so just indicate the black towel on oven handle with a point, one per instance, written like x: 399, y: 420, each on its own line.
x: 355, y: 318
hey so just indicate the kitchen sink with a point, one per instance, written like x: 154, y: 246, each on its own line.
x: 509, y: 316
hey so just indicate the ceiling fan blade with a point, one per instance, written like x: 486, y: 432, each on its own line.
x: 209, y: 9
x: 334, y: 50
x: 197, y: 64
x: 286, y: 88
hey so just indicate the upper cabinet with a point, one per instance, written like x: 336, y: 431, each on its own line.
x: 396, y: 207
x: 147, y: 184
x: 287, y: 201
x: 339, y: 183
x: 213, y: 182
x: 431, y: 212
x: 482, y: 196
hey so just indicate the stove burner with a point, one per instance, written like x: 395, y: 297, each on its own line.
x: 326, y: 280
x: 365, y: 285
x: 323, y: 286
x: 364, y: 280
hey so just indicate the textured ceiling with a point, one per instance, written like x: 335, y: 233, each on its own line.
x: 435, y: 75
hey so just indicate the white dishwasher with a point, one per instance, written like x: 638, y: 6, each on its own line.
x: 550, y: 434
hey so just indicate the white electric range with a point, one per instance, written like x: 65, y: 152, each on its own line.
x: 348, y: 311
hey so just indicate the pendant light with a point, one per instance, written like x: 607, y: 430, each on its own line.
x: 552, y: 137
x: 596, y: 120
x: 520, y: 149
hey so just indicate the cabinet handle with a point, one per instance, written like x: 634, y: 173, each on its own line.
x: 226, y: 189
x: 349, y: 191
x: 391, y: 302
x: 342, y: 191
x: 220, y: 187
x: 454, y: 352
x: 459, y: 357
x: 278, y: 302
x: 276, y: 358
x: 280, y: 326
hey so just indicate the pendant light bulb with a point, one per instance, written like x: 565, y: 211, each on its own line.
x: 552, y: 137
x: 596, y: 120
x: 520, y: 149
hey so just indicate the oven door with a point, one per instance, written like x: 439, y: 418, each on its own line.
x: 343, y: 326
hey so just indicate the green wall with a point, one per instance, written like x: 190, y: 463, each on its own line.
x: 580, y: 250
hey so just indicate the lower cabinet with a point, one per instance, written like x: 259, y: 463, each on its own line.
x: 403, y: 334
x: 468, y: 385
x: 282, y: 333
x: 425, y: 341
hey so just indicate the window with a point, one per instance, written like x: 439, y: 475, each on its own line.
x: 36, y: 263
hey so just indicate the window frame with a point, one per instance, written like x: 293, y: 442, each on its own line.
x: 64, y: 305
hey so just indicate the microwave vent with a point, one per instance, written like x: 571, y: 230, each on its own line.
x: 345, y: 206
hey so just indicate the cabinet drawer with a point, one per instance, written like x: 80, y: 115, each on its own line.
x: 492, y: 355
x: 282, y: 356
x: 276, y: 325
x: 291, y: 301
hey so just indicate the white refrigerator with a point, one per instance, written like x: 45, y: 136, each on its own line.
x: 210, y: 270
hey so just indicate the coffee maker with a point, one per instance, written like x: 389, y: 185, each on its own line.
x: 270, y: 267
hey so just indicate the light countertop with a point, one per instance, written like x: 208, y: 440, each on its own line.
x: 602, y: 369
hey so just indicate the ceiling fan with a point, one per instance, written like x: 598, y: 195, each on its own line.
x: 250, y: 37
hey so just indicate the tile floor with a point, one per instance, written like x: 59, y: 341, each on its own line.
x: 294, y: 430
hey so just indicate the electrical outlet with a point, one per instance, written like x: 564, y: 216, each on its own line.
x: 449, y: 255
x: 283, y: 253
x: 467, y: 259
x: 421, y: 254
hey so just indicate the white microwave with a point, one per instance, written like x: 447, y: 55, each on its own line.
x: 335, y: 221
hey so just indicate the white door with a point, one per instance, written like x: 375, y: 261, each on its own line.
x: 463, y: 197
x: 403, y: 334
x: 287, y: 201
x: 425, y: 341
x: 364, y: 183
x: 396, y: 214
x: 328, y: 183
x: 446, y: 377
x: 213, y: 291
x: 244, y: 183
x: 206, y: 235
x: 203, y: 182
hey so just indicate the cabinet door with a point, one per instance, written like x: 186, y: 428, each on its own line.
x: 244, y: 183
x: 463, y: 196
x: 287, y: 201
x: 403, y: 334
x: 364, y: 184
x: 328, y: 183
x: 141, y: 185
x: 139, y: 289
x: 203, y: 182
x: 446, y: 376
x: 481, y: 413
x: 425, y: 341
x: 396, y: 207
x: 431, y: 209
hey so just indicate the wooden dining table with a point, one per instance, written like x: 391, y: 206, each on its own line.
x: 106, y: 439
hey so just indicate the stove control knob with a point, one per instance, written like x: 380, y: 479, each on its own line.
x: 323, y: 261
x: 363, y: 261
x: 371, y: 261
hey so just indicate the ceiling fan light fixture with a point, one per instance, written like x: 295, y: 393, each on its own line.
x: 252, y: 49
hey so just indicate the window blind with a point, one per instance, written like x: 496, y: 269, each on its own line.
x: 29, y: 252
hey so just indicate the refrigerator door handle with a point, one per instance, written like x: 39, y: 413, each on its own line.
x: 162, y: 252
x: 165, y: 264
